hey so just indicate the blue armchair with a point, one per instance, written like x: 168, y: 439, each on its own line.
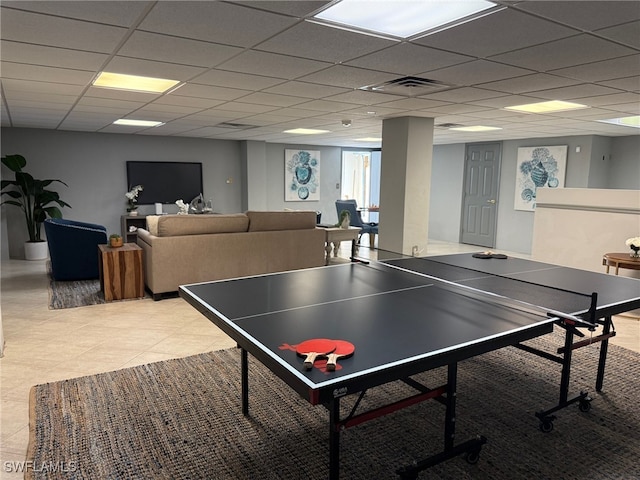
x: 351, y: 206
x: 73, y: 248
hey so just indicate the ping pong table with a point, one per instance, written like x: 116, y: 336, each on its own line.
x: 407, y: 315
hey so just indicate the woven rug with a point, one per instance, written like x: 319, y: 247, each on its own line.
x: 181, y: 419
x: 75, y: 293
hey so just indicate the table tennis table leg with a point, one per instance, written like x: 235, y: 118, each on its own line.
x: 606, y: 330
x: 244, y: 369
x: 334, y: 439
x: 471, y: 448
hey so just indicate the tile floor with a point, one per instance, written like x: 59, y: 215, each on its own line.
x: 45, y: 345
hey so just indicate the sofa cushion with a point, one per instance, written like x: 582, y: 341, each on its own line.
x: 260, y: 221
x: 176, y: 225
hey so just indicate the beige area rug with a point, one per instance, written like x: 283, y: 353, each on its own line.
x: 181, y: 419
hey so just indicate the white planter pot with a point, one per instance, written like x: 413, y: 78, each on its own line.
x: 36, y: 250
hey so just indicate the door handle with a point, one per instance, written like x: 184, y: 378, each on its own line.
x: 491, y: 201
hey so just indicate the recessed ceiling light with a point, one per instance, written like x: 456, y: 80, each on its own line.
x: 137, y: 123
x: 633, y: 121
x: 547, y: 107
x: 400, y: 18
x: 475, y: 128
x: 305, y: 131
x: 135, y: 83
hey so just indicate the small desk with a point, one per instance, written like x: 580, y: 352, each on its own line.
x: 121, y: 273
x: 620, y: 260
x: 335, y: 235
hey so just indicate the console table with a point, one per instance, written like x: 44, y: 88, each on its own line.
x: 121, y: 273
x: 620, y: 260
x: 335, y: 235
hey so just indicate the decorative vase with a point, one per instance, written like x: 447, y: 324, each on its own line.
x: 115, y: 242
x: 36, y: 250
x: 634, y: 252
x: 133, y: 213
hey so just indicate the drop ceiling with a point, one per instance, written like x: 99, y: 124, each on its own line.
x: 252, y: 69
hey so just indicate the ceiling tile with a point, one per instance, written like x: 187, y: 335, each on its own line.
x: 287, y: 7
x: 307, y: 90
x: 493, y: 34
x: 529, y: 83
x: 238, y: 80
x: 122, y: 13
x: 406, y: 59
x: 54, y: 31
x: 575, y: 92
x: 272, y: 65
x: 604, y: 70
x: 350, y: 77
x: 125, y: 95
x: 183, y: 51
x: 319, y: 42
x: 217, y: 22
x: 39, y: 87
x: 272, y: 99
x: 174, y: 99
x: 629, y: 33
x: 210, y: 92
x: 21, y: 71
x: 475, y: 73
x: 50, y: 56
x: 564, y: 53
x: 585, y: 14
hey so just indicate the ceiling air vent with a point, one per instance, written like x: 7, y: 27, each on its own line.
x: 237, y: 126
x: 408, y: 86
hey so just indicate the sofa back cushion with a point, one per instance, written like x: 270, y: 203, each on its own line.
x: 260, y: 221
x: 176, y: 225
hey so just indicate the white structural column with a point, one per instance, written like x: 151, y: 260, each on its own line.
x: 407, y: 152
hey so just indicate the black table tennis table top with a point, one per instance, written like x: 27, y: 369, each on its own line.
x: 399, y: 318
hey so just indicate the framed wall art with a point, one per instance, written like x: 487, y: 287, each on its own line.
x: 538, y: 167
x: 301, y: 175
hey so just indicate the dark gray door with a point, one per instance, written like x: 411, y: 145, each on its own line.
x: 480, y: 202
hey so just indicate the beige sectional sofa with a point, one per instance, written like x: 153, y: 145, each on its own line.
x: 182, y: 249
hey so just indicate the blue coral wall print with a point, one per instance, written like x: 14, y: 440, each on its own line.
x: 301, y: 175
x: 538, y: 167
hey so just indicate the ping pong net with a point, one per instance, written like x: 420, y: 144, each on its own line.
x: 583, y: 306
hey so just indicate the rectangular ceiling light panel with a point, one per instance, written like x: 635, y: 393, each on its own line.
x: 400, y: 18
x: 134, y: 83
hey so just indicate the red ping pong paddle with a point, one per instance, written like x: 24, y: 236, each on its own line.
x: 343, y: 349
x: 313, y: 348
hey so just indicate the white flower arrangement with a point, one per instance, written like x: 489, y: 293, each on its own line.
x: 633, y: 242
x: 132, y: 197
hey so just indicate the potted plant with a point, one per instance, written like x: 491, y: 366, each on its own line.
x: 115, y: 240
x: 132, y: 199
x: 345, y: 219
x: 37, y: 203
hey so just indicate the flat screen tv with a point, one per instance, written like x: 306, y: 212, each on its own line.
x: 165, y: 182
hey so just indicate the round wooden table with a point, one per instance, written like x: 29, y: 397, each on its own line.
x: 620, y: 260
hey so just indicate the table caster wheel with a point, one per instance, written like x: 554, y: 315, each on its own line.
x: 472, y: 457
x: 546, y: 426
x: 584, y: 405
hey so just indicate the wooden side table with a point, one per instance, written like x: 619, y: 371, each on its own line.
x: 620, y: 260
x: 121, y: 273
x: 335, y: 235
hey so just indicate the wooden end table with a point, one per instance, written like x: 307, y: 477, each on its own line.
x: 121, y: 273
x: 620, y: 260
x: 335, y: 235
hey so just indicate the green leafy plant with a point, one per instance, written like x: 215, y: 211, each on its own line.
x: 115, y: 236
x: 30, y: 195
x: 343, y: 214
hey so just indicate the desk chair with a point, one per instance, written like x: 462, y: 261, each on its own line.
x: 351, y: 206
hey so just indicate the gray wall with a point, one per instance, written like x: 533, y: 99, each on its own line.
x: 620, y: 169
x: 93, y: 165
